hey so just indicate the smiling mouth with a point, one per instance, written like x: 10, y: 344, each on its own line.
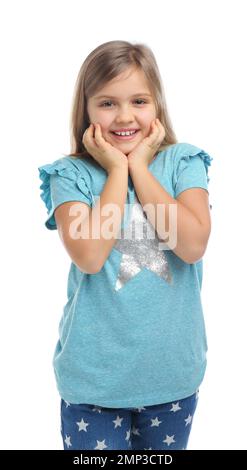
x: 125, y: 137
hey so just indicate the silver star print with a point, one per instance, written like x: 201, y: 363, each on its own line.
x: 188, y: 420
x: 67, y: 441
x: 135, y: 431
x: 175, y: 407
x: 100, y: 445
x: 82, y: 425
x: 169, y: 440
x: 97, y: 408
x: 140, y: 249
x: 155, y: 422
x: 118, y: 422
x: 140, y: 409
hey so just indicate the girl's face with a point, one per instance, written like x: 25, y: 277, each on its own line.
x: 124, y: 103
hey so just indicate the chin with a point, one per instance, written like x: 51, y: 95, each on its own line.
x: 126, y: 152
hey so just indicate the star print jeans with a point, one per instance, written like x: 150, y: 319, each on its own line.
x: 161, y: 427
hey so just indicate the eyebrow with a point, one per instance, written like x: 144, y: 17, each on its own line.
x: 109, y: 96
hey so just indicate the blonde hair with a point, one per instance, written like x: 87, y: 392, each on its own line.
x: 103, y: 64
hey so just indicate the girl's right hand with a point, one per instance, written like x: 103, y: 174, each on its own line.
x: 102, y: 151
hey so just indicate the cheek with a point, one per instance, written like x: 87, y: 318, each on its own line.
x: 97, y: 115
x: 146, y: 119
x: 147, y: 127
x: 103, y: 118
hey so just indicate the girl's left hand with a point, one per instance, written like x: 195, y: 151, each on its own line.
x: 144, y: 152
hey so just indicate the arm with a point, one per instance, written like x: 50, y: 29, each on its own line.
x: 193, y: 213
x: 90, y: 254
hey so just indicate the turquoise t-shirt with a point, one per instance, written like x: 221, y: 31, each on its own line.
x: 132, y: 334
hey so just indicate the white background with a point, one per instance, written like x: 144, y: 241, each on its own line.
x: 199, y: 47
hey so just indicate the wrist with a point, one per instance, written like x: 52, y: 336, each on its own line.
x: 136, y: 167
x: 122, y: 168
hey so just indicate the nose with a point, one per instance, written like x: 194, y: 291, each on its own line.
x: 124, y: 114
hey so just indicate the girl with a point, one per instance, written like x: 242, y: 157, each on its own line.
x: 132, y: 347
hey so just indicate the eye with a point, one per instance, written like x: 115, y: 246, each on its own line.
x: 105, y: 103
x: 141, y: 100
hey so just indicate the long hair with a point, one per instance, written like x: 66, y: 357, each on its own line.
x: 103, y: 64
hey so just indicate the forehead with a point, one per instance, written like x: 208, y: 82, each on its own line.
x: 128, y: 83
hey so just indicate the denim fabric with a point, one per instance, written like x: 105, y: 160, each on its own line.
x: 161, y: 427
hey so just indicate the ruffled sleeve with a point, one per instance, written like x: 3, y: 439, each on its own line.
x: 190, y: 168
x: 61, y: 182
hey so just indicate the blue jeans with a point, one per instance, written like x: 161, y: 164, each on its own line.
x: 161, y: 427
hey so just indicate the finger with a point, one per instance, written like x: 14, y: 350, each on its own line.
x: 154, y: 124
x: 88, y: 138
x: 153, y: 136
x: 158, y: 123
x: 156, y: 137
x: 87, y: 133
x: 98, y: 135
x: 91, y: 131
x: 162, y: 129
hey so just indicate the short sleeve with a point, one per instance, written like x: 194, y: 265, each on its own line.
x: 61, y: 182
x: 191, y: 169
